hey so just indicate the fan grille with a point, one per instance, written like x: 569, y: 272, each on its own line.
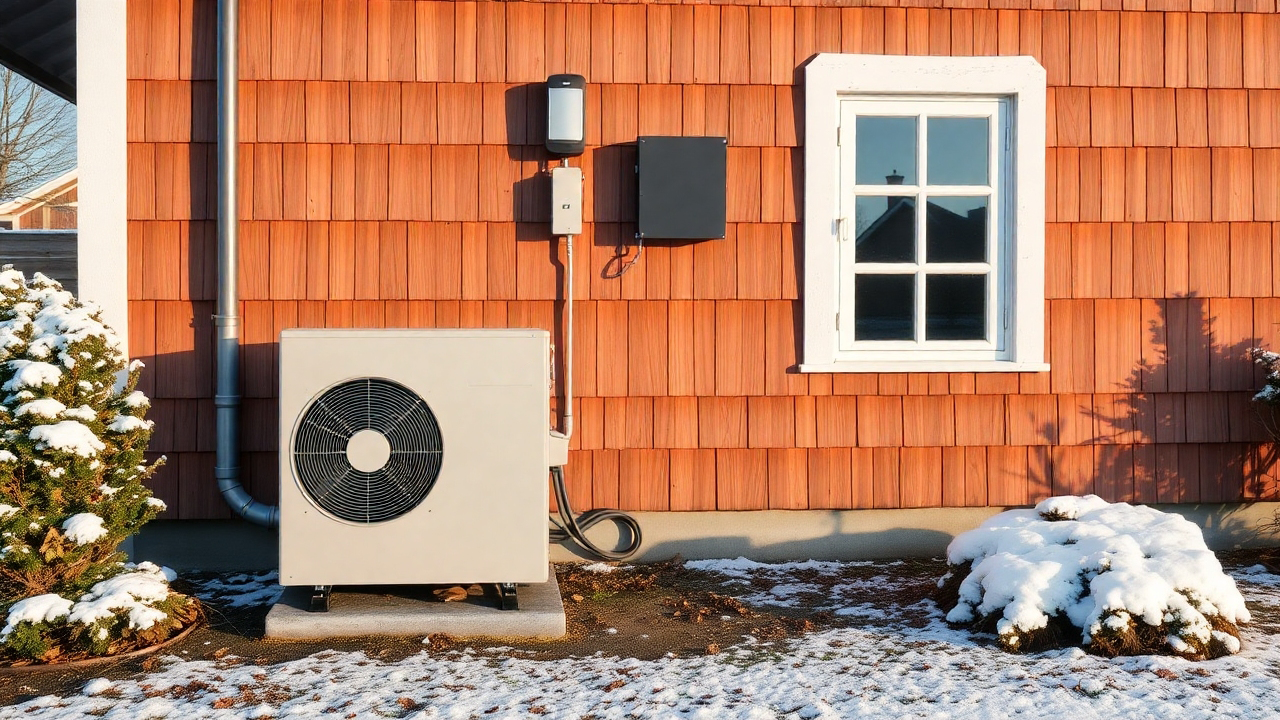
x: 320, y: 450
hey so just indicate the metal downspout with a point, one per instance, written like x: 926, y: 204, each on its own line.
x: 226, y: 320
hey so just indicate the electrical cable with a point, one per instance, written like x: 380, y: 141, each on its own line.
x: 570, y: 527
x: 623, y: 266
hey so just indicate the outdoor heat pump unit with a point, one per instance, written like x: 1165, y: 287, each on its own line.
x: 413, y: 457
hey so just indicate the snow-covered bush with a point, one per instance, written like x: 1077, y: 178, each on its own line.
x: 72, y: 437
x: 1267, y: 400
x: 1116, y: 579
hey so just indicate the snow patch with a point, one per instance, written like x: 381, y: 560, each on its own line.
x: 44, y: 407
x: 1069, y: 507
x: 32, y: 373
x: 11, y: 279
x: 7, y: 511
x: 128, y: 423
x: 240, y: 589
x: 68, y: 436
x: 97, y: 686
x: 84, y: 528
x: 136, y: 399
x: 132, y: 592
x: 38, y: 609
x: 742, y: 567
x: 84, y: 413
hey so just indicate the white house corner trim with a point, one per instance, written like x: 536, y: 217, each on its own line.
x: 821, y: 206
x: 102, y: 266
x: 1029, y: 139
x: 829, y: 75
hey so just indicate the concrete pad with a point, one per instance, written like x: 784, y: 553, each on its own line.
x: 413, y: 610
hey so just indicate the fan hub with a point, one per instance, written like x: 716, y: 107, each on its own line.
x: 368, y: 451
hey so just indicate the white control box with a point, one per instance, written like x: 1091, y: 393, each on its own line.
x: 566, y: 200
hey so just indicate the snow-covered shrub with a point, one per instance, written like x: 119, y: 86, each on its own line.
x: 1116, y: 579
x: 1267, y: 400
x: 72, y: 437
x: 1270, y: 362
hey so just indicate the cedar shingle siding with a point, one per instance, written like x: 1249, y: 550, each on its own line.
x: 388, y: 166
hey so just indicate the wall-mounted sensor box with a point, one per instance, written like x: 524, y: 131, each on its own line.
x: 682, y: 187
x: 566, y: 201
x: 566, y: 114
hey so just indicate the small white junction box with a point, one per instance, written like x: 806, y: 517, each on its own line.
x: 566, y: 200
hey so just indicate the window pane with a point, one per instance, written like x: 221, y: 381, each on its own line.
x: 955, y: 229
x: 884, y: 307
x: 955, y: 307
x: 886, y: 150
x: 958, y: 150
x: 885, y: 228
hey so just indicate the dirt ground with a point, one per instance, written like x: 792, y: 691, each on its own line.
x: 643, y: 612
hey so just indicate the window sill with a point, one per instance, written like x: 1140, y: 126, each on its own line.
x: 925, y: 366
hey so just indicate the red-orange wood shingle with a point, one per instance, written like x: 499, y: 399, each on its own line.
x: 1160, y: 169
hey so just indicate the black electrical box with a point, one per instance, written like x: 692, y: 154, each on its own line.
x: 682, y: 187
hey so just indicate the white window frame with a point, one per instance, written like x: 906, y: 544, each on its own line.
x: 994, y: 268
x: 832, y: 78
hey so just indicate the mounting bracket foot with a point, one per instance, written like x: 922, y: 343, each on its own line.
x: 507, y: 596
x: 320, y: 598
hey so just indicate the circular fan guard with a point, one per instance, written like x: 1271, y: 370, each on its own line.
x: 320, y: 450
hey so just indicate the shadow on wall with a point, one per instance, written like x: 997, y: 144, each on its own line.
x: 173, y: 280
x: 870, y: 534
x: 887, y: 544
x: 179, y: 386
x: 1179, y: 428
x: 780, y: 535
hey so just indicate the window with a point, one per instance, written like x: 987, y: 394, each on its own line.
x: 924, y: 214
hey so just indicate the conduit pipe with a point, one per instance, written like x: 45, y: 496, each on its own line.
x: 226, y: 321
x: 566, y: 427
x: 570, y: 526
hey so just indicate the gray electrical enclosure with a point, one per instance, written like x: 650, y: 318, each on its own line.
x: 682, y: 187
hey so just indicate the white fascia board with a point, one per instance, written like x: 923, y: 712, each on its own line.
x: 102, y: 266
x: 924, y: 366
x: 924, y: 74
x: 828, y: 76
x: 32, y: 198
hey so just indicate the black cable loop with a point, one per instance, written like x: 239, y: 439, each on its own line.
x: 571, y: 527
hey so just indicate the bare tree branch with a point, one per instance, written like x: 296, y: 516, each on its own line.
x: 37, y: 135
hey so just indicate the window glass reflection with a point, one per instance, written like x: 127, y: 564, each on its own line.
x: 955, y: 307
x: 959, y: 150
x: 886, y: 150
x: 955, y: 229
x: 884, y: 307
x: 885, y: 228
